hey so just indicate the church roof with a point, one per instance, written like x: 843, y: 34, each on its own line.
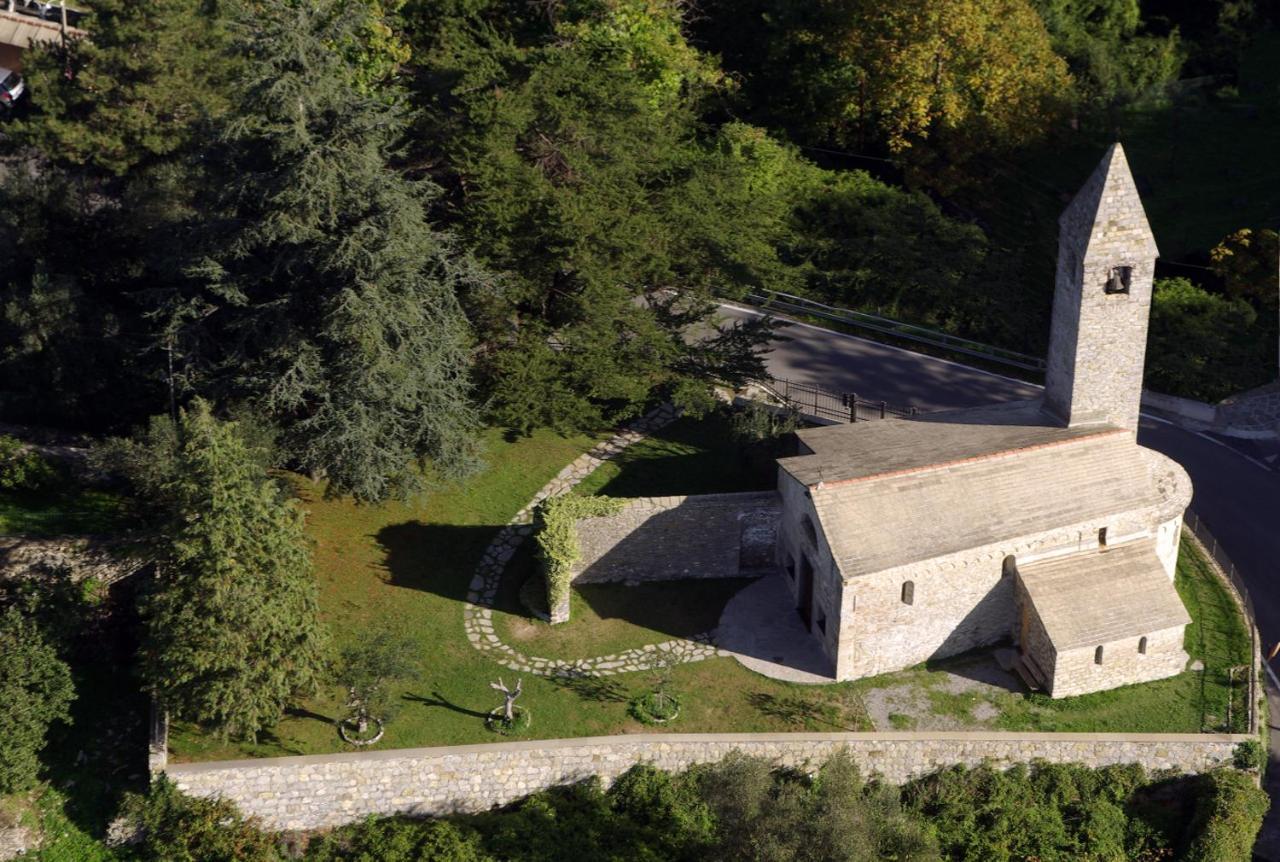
x: 892, y: 492
x: 1093, y: 598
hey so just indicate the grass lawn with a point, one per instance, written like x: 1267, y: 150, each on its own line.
x: 407, y: 568
x: 73, y: 511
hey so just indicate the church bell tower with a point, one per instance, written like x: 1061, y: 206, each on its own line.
x: 1101, y: 301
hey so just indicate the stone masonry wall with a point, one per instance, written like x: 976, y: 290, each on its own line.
x: 960, y: 601
x: 328, y: 790
x: 672, y: 538
x: 1077, y: 672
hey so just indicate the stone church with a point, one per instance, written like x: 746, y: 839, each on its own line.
x: 1042, y: 523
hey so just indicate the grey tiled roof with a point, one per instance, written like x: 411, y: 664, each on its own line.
x: 1103, y: 595
x: 865, y: 449
x: 911, y: 491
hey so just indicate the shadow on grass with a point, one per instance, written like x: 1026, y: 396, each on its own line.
x: 439, y: 700
x: 595, y: 689
x: 303, y: 712
x: 801, y: 712
x: 436, y: 558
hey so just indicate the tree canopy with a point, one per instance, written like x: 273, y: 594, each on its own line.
x: 36, y: 690
x: 232, y: 628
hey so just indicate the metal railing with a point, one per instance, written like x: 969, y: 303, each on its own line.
x: 813, y: 400
x: 778, y: 301
x: 1210, y: 543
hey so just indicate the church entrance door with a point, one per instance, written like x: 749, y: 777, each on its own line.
x: 804, y: 597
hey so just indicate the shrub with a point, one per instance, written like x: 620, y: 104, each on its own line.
x: 1228, y: 817
x: 179, y: 828
x: 557, y: 533
x: 1249, y: 755
x: 399, y: 840
x: 24, y: 469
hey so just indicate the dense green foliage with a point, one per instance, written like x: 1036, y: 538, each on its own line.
x: 22, y: 468
x: 367, y: 668
x: 1112, y: 57
x: 179, y: 828
x: 149, y: 79
x: 35, y: 690
x: 557, y: 537
x: 939, y: 83
x: 1228, y: 815
x: 1199, y: 342
x: 743, y: 810
x: 232, y: 632
x: 321, y: 295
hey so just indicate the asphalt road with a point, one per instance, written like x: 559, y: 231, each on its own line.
x: 1237, y: 484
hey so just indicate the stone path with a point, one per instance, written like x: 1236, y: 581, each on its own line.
x: 477, y: 612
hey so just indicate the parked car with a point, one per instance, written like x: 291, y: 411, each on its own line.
x: 11, y: 87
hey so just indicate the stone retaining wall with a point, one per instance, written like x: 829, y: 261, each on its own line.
x: 105, y: 559
x: 672, y: 538
x: 328, y: 790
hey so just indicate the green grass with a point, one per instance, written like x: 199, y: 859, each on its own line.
x: 407, y: 567
x: 689, y: 456
x: 69, y: 511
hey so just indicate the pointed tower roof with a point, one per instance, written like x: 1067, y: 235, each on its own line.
x: 1107, y: 205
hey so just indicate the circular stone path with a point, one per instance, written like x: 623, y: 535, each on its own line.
x: 477, y: 611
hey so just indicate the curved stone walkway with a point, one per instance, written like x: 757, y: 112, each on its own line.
x: 477, y: 612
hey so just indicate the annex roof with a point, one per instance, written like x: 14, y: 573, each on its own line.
x: 893, y: 492
x: 1092, y: 598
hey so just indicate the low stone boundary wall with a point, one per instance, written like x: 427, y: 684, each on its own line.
x: 673, y: 538
x: 322, y: 791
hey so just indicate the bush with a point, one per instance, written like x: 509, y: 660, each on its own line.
x: 399, y: 840
x: 1249, y: 755
x: 179, y: 828
x: 1228, y: 817
x: 557, y: 535
x: 1048, y: 811
x: 24, y: 469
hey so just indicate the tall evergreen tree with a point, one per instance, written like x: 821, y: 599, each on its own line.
x: 35, y: 689
x: 232, y: 628
x: 138, y: 89
x: 574, y: 145
x: 322, y: 295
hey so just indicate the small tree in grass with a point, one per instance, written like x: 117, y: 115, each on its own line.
x: 660, y: 704
x: 35, y: 690
x: 367, y: 671
x: 512, y: 717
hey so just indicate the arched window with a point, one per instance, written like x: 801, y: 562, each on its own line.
x: 908, y: 592
x: 1009, y: 567
x: 1102, y: 537
x: 1142, y: 645
x: 810, y: 532
x: 1097, y: 656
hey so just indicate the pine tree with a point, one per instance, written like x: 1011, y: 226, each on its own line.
x: 147, y: 78
x: 329, y: 296
x: 573, y: 140
x: 232, y: 632
x: 35, y: 690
